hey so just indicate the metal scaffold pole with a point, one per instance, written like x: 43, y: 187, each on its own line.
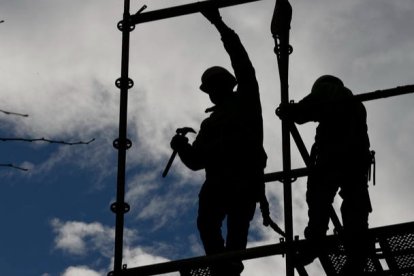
x: 122, y: 143
x: 280, y: 28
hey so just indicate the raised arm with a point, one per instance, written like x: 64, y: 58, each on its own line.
x: 242, y: 66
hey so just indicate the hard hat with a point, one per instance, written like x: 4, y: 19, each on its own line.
x: 329, y: 87
x: 326, y: 79
x: 217, y: 76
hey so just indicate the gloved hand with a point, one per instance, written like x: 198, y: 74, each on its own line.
x: 285, y: 111
x: 212, y: 14
x: 178, y: 142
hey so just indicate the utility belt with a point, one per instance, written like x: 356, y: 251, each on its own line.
x: 368, y: 166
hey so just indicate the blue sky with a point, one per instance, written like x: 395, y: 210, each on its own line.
x: 59, y: 62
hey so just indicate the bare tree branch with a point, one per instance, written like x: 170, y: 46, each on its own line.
x: 13, y: 113
x: 14, y: 167
x: 40, y: 140
x: 47, y: 141
x: 34, y: 139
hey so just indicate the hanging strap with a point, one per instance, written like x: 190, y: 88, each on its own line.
x: 267, y: 220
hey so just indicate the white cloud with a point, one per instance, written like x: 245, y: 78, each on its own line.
x: 81, y: 271
x: 161, y: 201
x: 79, y: 238
x: 135, y: 257
x: 273, y: 265
x: 74, y: 237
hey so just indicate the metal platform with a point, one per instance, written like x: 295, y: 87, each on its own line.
x: 201, y: 271
x: 394, y: 252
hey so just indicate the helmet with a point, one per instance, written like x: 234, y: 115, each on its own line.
x: 217, y: 75
x: 329, y: 87
x: 326, y: 79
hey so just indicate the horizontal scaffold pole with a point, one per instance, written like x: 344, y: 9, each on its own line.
x: 204, y: 261
x: 279, y: 176
x: 380, y: 94
x: 183, y: 10
x: 368, y: 96
x: 328, y: 246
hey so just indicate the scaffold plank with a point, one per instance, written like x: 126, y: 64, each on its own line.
x: 394, y: 254
x: 395, y: 245
x: 183, y: 10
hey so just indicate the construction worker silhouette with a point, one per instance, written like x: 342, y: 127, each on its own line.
x: 229, y: 146
x: 340, y: 159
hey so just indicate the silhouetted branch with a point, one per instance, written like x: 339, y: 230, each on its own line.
x: 13, y: 166
x: 13, y: 113
x: 47, y: 141
x: 40, y: 140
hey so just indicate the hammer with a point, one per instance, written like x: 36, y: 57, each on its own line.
x: 180, y: 131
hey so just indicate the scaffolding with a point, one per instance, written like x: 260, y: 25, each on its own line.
x: 394, y: 244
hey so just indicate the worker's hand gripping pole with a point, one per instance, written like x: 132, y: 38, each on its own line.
x: 180, y: 131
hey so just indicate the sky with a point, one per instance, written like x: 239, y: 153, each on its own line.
x: 59, y: 63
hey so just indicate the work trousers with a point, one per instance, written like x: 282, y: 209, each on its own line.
x: 214, y: 206
x: 355, y: 208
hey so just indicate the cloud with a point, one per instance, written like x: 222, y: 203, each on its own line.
x: 74, y: 237
x: 79, y: 238
x: 81, y: 271
x: 273, y: 265
x: 159, y: 202
x: 135, y: 257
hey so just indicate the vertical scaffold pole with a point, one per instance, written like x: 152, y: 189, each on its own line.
x: 280, y: 28
x: 122, y: 143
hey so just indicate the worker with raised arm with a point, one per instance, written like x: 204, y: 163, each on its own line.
x: 229, y: 147
x: 340, y: 160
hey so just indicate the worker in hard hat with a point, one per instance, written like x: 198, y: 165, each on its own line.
x: 340, y: 160
x: 229, y: 146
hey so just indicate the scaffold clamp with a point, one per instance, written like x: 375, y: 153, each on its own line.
x: 115, y: 209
